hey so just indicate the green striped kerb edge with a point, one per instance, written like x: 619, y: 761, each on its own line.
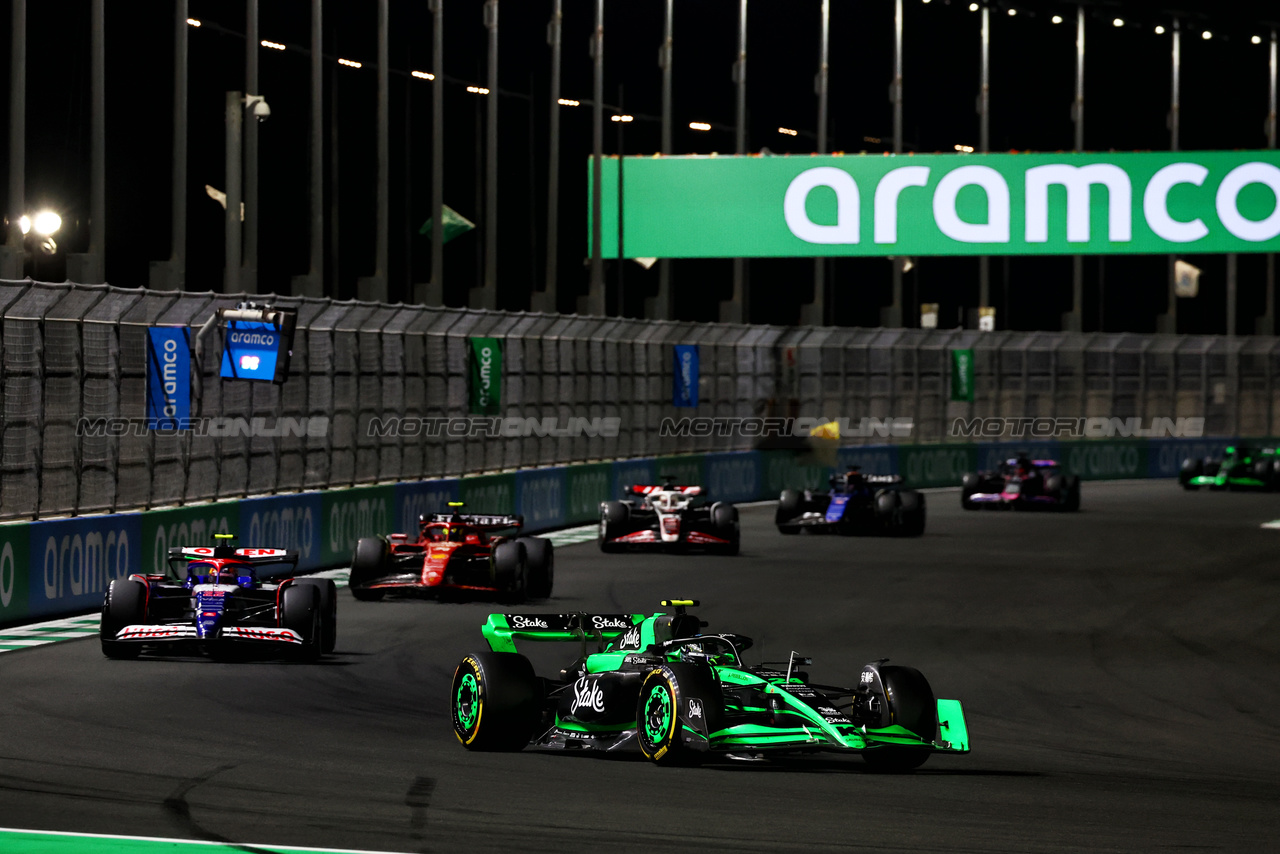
x: 56, y: 842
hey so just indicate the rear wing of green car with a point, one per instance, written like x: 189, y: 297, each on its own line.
x: 501, y: 631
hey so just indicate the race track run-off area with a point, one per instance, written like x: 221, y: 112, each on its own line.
x: 1118, y: 669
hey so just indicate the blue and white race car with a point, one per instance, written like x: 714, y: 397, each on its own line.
x: 217, y: 605
x: 856, y: 503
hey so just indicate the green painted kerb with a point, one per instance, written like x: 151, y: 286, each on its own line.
x: 54, y: 842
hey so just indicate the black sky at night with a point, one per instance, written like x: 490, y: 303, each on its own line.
x: 1127, y: 94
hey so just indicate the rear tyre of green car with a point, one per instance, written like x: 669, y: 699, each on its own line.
x: 495, y: 699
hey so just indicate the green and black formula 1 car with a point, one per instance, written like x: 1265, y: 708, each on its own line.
x: 1240, y: 468
x: 658, y: 684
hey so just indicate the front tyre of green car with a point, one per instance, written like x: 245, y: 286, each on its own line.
x: 494, y: 698
x: 657, y: 720
x: 664, y: 693
x: 911, y: 706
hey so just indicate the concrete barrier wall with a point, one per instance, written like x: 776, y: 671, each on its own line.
x: 63, y: 566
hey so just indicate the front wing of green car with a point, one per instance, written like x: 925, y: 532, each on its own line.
x: 819, y: 734
x: 803, y: 719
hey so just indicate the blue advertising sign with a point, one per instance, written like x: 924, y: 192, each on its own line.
x: 627, y: 473
x: 734, y: 476
x: 252, y: 351
x: 685, y: 372
x: 540, y: 497
x: 72, y: 561
x: 168, y: 378
x: 422, y: 498
x: 871, y: 459
x: 284, y: 522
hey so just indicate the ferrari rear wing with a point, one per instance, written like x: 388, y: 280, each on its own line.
x: 476, y: 520
x: 503, y: 630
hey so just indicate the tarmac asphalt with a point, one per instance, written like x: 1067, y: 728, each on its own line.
x: 1118, y: 669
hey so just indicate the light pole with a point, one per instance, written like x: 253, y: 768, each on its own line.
x: 232, y: 236
x: 891, y: 315
x: 1266, y: 324
x: 170, y: 274
x: 12, y: 257
x: 374, y: 288
x: 487, y: 295
x: 1168, y: 322
x: 545, y: 300
x: 312, y: 283
x: 660, y: 307
x: 815, y: 313
x: 593, y: 303
x: 737, y: 309
x: 249, y: 275
x: 619, y: 301
x: 435, y: 291
x: 88, y: 267
x: 1071, y: 321
x: 984, y: 142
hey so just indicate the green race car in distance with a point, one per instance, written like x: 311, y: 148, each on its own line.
x: 1240, y: 468
x: 659, y: 685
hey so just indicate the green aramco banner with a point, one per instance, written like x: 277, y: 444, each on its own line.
x: 962, y: 375
x: 944, y: 204
x: 486, y: 375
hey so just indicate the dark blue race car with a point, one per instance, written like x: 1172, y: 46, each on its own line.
x: 217, y: 605
x: 856, y: 503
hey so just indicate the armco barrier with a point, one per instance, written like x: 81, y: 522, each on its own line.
x: 733, y: 476
x: 1165, y: 456
x: 63, y: 566
x: 187, y: 526
x: 540, y: 498
x: 285, y: 522
x: 15, y: 542
x: 422, y: 498
x: 349, y: 514
x: 71, y: 561
x: 585, y: 487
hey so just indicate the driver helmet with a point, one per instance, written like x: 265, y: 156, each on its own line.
x: 665, y: 500
x: 225, y: 575
x: 457, y: 534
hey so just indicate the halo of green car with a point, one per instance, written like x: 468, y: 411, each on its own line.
x: 658, y: 685
x: 1241, y: 467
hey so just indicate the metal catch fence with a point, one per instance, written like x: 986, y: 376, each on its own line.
x: 76, y: 354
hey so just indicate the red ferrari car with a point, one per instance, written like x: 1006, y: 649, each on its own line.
x: 458, y: 553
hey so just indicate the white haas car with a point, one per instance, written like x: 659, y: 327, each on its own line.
x: 669, y: 516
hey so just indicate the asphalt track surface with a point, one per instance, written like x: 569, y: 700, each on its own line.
x: 1118, y: 668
